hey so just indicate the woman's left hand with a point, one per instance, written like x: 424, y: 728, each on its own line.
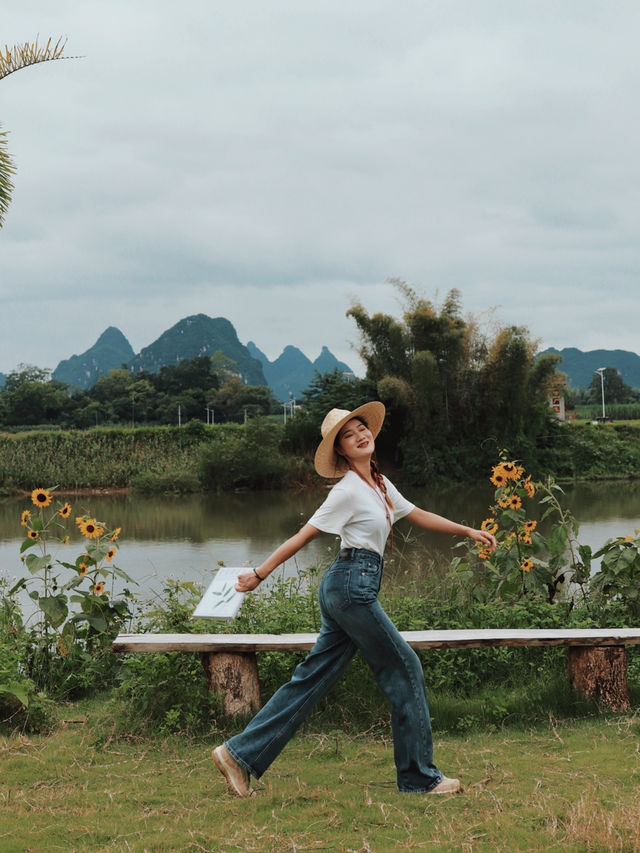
x: 488, y: 540
x: 247, y: 582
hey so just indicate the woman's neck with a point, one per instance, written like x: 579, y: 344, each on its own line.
x: 363, y: 469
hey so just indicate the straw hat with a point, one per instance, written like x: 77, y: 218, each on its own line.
x: 328, y: 463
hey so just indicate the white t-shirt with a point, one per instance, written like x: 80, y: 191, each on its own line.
x: 356, y: 512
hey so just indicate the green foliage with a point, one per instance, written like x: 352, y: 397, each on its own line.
x: 618, y: 580
x: 454, y: 392
x: 167, y: 692
x: 66, y: 649
x: 243, y: 457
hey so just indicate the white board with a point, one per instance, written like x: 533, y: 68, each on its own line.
x: 222, y: 600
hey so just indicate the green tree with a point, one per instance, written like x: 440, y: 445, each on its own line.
x: 449, y: 387
x: 616, y: 389
x: 11, y: 60
x: 30, y: 397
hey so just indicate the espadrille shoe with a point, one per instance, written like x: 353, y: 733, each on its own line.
x: 447, y: 786
x: 238, y: 779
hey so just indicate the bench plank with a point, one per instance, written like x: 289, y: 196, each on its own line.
x: 469, y: 638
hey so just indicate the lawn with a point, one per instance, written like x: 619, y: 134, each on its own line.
x: 570, y: 786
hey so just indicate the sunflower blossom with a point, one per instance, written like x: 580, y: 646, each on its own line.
x: 25, y: 518
x: 489, y: 525
x: 41, y: 497
x: 498, y: 476
x: 33, y: 534
x: 529, y: 488
x: 98, y: 588
x: 515, y: 502
x: 65, y: 512
x: 527, y: 566
x: 91, y: 528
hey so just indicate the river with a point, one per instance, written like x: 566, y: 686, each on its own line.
x: 183, y: 538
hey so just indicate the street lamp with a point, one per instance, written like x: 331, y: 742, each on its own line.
x: 601, y: 371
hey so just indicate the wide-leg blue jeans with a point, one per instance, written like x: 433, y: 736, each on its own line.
x: 352, y: 620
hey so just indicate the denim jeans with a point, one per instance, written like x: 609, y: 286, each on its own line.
x: 352, y: 620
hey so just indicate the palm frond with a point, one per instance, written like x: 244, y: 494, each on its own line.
x: 30, y: 53
x: 7, y: 168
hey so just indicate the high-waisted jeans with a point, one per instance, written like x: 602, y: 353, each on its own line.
x: 352, y: 620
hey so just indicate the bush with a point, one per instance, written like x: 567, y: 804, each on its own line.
x: 243, y: 457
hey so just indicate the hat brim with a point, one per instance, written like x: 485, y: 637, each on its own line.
x: 327, y: 462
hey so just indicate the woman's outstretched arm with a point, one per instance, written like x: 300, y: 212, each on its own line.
x: 249, y: 581
x: 431, y: 521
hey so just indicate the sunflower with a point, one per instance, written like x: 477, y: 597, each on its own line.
x: 530, y: 526
x: 116, y: 534
x: 489, y: 525
x: 504, y: 503
x: 41, y: 497
x: 65, y: 512
x: 91, y: 528
x: 66, y: 540
x: 484, y: 553
x: 498, y: 476
x: 510, y: 470
x: 526, y: 538
x: 25, y: 518
x: 527, y: 566
x: 98, y: 588
x: 529, y: 487
x: 111, y: 553
x: 84, y: 569
x: 515, y: 502
x: 33, y: 534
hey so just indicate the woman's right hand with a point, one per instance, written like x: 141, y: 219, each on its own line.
x: 247, y: 582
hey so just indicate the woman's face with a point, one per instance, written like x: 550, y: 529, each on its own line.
x: 355, y: 441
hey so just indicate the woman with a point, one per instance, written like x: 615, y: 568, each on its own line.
x: 361, y: 509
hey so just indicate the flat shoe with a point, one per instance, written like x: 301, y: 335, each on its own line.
x: 447, y: 786
x: 238, y: 779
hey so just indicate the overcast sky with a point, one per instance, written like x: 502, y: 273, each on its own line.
x: 272, y: 162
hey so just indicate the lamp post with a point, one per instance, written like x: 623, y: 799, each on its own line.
x: 601, y: 371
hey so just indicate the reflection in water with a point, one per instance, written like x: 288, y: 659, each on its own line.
x: 185, y: 537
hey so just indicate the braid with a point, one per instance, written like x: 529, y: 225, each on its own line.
x: 378, y: 479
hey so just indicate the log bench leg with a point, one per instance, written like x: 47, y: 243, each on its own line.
x: 234, y: 675
x: 600, y: 674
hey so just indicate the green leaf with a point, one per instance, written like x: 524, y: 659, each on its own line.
x: 37, y: 564
x: 55, y: 608
x: 16, y: 690
x: 21, y: 583
x: 121, y: 574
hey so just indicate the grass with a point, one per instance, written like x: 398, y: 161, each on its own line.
x: 570, y: 786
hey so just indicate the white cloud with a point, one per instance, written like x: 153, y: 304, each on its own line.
x: 262, y: 162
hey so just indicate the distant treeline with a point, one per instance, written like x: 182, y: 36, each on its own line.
x: 457, y: 398
x: 202, y: 388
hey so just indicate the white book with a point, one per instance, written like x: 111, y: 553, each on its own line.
x: 221, y: 599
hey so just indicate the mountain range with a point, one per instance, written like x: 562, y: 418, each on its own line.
x: 580, y: 366
x: 198, y: 335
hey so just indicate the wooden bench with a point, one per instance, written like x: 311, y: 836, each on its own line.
x: 597, y: 658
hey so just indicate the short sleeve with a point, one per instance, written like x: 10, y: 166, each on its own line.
x: 402, y: 505
x: 335, y: 512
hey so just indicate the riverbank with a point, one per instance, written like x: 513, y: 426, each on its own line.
x: 82, y: 789
x: 196, y: 457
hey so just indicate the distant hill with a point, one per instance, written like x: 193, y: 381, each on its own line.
x: 580, y: 366
x: 292, y: 371
x: 196, y: 336
x: 109, y: 352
